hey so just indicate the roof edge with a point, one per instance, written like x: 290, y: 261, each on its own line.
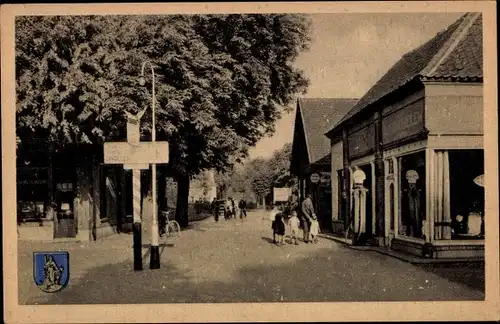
x: 304, y: 129
x: 458, y: 35
x: 412, y: 80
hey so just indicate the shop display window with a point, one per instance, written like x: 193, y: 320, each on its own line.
x: 412, y: 195
x: 466, y: 193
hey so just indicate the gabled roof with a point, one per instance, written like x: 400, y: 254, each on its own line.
x: 455, y: 54
x: 318, y: 115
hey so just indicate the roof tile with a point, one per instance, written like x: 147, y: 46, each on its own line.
x: 466, y: 60
x: 318, y: 115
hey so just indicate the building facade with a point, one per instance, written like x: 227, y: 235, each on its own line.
x: 68, y: 193
x: 418, y: 136
x: 310, y: 151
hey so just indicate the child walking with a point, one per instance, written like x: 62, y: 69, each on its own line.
x: 294, y: 227
x: 314, y: 229
x: 272, y: 217
x: 278, y: 227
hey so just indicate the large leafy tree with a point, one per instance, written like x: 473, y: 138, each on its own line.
x: 280, y: 163
x: 222, y: 81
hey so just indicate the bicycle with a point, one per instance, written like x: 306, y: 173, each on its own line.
x: 172, y: 228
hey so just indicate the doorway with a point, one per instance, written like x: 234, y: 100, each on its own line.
x: 342, y: 195
x: 369, y: 210
x: 324, y: 194
x: 64, y: 177
x: 65, y: 223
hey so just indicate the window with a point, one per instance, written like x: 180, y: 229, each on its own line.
x: 466, y: 196
x: 412, y: 177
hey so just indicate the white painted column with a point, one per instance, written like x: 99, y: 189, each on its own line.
x: 357, y: 210
x: 446, y: 195
x: 439, y: 193
x: 387, y: 198
x: 397, y: 192
x: 431, y: 193
x: 350, y: 191
x: 136, y: 192
x: 428, y: 232
x: 362, y: 209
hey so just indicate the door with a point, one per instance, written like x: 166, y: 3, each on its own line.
x: 369, y: 210
x: 64, y: 223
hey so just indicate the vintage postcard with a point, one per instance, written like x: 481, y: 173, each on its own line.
x: 223, y: 162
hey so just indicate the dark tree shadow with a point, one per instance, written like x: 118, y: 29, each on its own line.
x: 470, y: 274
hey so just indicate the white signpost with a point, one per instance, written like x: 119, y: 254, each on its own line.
x: 136, y: 155
x: 281, y: 194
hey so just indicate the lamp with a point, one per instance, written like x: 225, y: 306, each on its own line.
x: 142, y: 81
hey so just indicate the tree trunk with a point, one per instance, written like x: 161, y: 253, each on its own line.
x: 182, y: 206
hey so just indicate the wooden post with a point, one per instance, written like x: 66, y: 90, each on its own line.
x: 137, y: 155
x: 136, y: 192
x: 379, y: 177
x: 347, y: 178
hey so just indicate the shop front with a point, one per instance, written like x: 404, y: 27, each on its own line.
x: 435, y: 201
x: 433, y: 194
x: 417, y: 137
x: 65, y: 195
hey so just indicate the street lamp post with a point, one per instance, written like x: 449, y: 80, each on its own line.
x: 155, y: 250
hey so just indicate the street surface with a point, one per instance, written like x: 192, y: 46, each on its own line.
x: 235, y: 261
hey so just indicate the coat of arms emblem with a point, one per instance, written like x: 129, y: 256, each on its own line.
x: 51, y: 270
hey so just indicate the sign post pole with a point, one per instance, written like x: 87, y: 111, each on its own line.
x: 136, y: 187
x: 155, y: 250
x: 136, y: 155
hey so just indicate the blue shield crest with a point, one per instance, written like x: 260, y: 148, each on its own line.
x: 51, y: 270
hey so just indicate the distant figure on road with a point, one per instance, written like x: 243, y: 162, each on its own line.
x: 242, y: 205
x: 233, y: 207
x: 215, y: 209
x: 307, y: 212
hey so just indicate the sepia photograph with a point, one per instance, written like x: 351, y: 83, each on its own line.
x: 244, y: 159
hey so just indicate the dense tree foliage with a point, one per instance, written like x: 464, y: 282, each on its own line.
x: 222, y: 81
x: 260, y: 175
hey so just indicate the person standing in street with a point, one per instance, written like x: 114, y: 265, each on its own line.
x: 291, y: 206
x: 243, y: 208
x: 215, y: 209
x: 307, y: 212
x: 233, y: 207
x: 293, y: 202
x: 293, y: 222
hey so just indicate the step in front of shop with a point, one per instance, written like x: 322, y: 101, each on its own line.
x: 472, y: 251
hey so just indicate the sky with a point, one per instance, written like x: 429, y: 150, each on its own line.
x: 349, y: 53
